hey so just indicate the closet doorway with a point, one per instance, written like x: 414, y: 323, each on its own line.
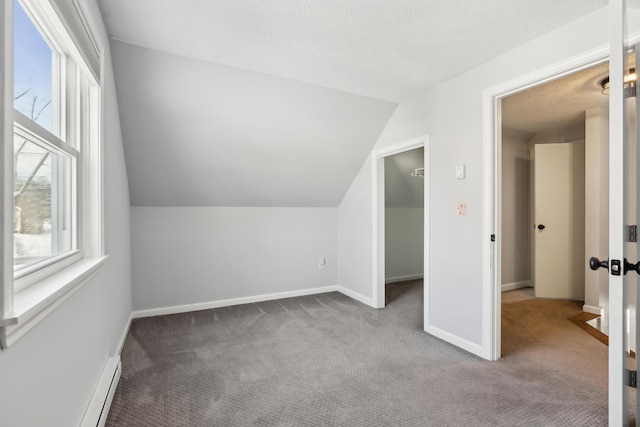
x: 407, y: 174
x: 404, y: 222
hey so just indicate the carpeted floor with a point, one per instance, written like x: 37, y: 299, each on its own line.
x: 327, y: 360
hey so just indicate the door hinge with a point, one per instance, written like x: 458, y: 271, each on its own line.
x: 493, y: 237
x: 633, y: 233
x: 632, y: 379
x: 630, y: 91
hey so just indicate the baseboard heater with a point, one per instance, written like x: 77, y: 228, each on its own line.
x: 98, y: 409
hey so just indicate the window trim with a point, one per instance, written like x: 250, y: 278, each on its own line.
x: 21, y: 308
x: 37, y: 134
x: 27, y: 125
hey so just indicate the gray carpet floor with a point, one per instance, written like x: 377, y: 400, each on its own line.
x: 327, y: 360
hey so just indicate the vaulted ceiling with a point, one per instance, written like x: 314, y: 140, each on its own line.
x: 203, y: 134
x: 278, y: 103
x: 379, y: 48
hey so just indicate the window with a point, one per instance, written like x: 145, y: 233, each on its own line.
x: 45, y: 161
x: 56, y: 164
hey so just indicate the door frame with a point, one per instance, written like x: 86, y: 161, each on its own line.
x: 378, y: 212
x: 492, y: 185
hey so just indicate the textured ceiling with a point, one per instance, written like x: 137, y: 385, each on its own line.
x: 378, y: 48
x: 558, y: 104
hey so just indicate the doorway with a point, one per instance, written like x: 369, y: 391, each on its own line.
x: 553, y: 214
x: 402, y: 169
x: 548, y: 111
x: 404, y: 221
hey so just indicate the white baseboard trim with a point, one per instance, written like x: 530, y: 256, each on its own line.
x: 593, y: 309
x: 355, y: 295
x: 98, y: 409
x: 397, y: 279
x: 229, y: 302
x: 516, y: 285
x: 123, y: 337
x: 469, y: 346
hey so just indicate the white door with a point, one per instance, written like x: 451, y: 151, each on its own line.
x: 559, y: 221
x: 622, y: 317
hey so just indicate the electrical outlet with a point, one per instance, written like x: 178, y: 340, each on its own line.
x: 462, y: 208
x: 322, y: 263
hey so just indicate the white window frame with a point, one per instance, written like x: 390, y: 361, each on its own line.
x: 26, y: 298
x: 31, y: 274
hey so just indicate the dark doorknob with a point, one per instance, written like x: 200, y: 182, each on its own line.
x: 629, y: 267
x: 595, y: 263
x: 541, y: 227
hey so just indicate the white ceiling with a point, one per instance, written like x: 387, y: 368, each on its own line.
x: 278, y: 103
x: 383, y: 49
x: 557, y: 104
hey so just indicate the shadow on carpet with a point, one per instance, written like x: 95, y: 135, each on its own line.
x: 329, y: 360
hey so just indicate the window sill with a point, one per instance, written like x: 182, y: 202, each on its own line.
x: 34, y: 303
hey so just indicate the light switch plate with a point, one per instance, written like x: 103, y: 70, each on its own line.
x: 461, y: 171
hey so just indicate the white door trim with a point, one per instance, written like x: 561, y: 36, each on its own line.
x: 378, y: 219
x: 492, y: 159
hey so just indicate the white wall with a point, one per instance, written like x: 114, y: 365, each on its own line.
x: 197, y: 255
x: 515, y: 207
x: 404, y: 243
x: 355, y: 234
x: 49, y: 375
x: 454, y: 240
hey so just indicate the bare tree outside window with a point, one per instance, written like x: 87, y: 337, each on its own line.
x: 39, y: 169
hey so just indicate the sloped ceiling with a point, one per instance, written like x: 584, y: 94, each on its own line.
x: 379, y: 48
x: 278, y: 103
x: 203, y: 134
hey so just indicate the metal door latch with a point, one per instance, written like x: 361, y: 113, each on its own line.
x: 614, y: 267
x: 632, y: 379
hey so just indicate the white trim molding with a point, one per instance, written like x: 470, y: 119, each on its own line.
x: 515, y: 285
x: 36, y: 302
x: 125, y: 333
x: 356, y: 296
x: 464, y: 344
x: 378, y: 214
x: 408, y: 277
x: 593, y: 309
x: 185, y: 308
x: 6, y: 159
x: 29, y: 296
x: 492, y: 221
